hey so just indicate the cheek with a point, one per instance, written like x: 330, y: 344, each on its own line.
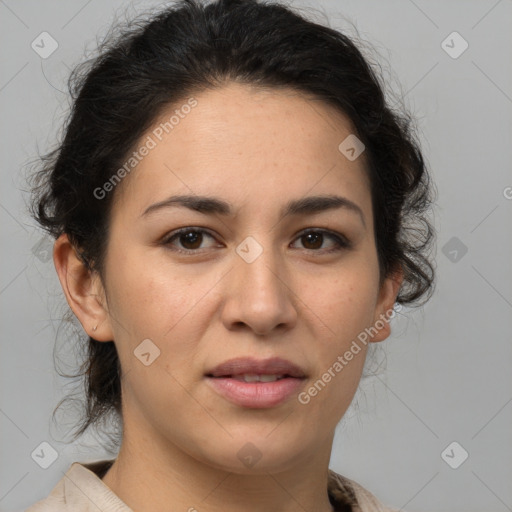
x: 344, y: 304
x: 343, y: 308
x: 149, y: 297
x: 150, y: 302
x: 154, y: 300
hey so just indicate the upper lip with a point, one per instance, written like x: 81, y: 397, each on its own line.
x: 249, y: 365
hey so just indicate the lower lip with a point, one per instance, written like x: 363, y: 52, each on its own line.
x: 256, y: 395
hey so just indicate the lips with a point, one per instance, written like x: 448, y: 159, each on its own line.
x: 257, y: 384
x: 250, y: 366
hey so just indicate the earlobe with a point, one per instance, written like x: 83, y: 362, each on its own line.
x: 83, y: 290
x: 384, y: 308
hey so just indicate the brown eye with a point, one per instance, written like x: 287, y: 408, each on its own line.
x: 187, y: 240
x: 314, y: 239
x: 191, y: 239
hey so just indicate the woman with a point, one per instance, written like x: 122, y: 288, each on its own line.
x: 236, y: 213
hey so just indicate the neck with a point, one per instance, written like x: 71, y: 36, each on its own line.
x: 156, y: 476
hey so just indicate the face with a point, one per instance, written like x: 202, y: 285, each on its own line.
x: 262, y: 277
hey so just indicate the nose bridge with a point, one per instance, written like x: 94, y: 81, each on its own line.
x: 261, y: 274
x: 258, y: 295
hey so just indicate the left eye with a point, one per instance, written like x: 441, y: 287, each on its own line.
x: 315, y: 238
x: 190, y: 239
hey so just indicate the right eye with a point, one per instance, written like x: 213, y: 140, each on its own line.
x: 189, y: 238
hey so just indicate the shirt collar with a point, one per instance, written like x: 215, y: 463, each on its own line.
x: 82, y: 483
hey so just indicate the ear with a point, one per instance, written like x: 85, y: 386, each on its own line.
x: 83, y: 289
x: 388, y: 292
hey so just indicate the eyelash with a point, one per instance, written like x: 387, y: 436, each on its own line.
x: 341, y: 242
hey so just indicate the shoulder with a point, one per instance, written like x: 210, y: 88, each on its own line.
x: 54, y: 502
x: 345, y: 490
x: 81, y: 490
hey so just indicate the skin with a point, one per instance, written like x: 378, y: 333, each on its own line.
x: 255, y: 149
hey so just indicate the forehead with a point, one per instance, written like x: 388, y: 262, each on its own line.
x: 243, y: 142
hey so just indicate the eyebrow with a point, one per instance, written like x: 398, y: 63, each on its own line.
x: 304, y: 206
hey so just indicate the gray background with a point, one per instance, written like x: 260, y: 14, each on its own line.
x: 448, y: 372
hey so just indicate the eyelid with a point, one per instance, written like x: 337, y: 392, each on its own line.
x: 177, y: 232
x: 341, y: 241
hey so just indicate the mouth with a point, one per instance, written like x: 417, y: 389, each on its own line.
x: 256, y: 384
x: 253, y: 377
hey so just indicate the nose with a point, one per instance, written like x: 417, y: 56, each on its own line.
x: 259, y: 297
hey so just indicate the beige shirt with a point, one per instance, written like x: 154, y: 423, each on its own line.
x: 82, y: 490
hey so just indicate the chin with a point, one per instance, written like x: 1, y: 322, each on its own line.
x: 255, y: 454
